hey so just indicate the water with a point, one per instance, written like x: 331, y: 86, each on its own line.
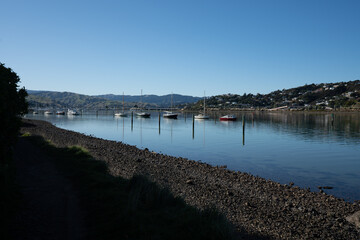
x: 309, y: 149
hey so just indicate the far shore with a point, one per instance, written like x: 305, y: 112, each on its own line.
x: 253, y: 204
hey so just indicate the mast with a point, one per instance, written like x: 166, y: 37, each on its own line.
x: 204, y: 103
x: 171, y: 101
x: 123, y: 103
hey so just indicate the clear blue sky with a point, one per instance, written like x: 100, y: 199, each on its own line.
x: 186, y: 47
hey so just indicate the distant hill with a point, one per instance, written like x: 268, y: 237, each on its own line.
x: 161, y: 101
x: 313, y: 96
x: 47, y: 99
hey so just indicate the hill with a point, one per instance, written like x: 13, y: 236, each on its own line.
x: 51, y: 99
x: 314, y: 96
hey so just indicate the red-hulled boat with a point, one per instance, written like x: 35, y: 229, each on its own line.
x: 228, y: 118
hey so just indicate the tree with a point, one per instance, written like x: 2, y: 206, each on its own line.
x: 12, y: 105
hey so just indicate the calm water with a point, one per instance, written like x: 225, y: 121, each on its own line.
x: 305, y: 148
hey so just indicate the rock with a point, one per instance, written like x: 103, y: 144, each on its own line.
x: 354, y: 219
x: 190, y: 182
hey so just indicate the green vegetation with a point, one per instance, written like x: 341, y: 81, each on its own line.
x: 131, y: 209
x: 12, y: 105
x: 314, y: 96
x: 63, y: 100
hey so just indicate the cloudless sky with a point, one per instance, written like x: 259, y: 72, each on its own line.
x: 184, y: 46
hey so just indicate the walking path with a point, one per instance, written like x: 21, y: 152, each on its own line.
x: 50, y: 207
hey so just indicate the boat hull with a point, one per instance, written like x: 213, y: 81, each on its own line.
x: 228, y: 118
x: 143, y: 115
x: 171, y: 116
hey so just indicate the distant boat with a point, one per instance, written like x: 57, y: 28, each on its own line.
x: 122, y: 114
x: 72, y: 112
x: 60, y: 113
x: 48, y: 112
x: 228, y: 118
x: 170, y: 114
x: 35, y: 112
x: 142, y: 113
x: 202, y: 115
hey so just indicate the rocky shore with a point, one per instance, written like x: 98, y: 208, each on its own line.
x: 254, y: 205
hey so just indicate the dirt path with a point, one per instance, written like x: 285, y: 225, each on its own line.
x: 50, y: 208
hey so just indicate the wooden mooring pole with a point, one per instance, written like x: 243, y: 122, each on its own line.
x: 243, y: 125
x: 193, y: 126
x: 159, y: 122
x: 132, y: 120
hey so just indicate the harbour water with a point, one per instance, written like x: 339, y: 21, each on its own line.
x: 309, y: 149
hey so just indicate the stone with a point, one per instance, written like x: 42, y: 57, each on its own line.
x: 354, y: 219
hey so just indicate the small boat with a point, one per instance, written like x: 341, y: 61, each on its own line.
x: 202, y: 115
x: 228, y: 118
x: 121, y: 114
x: 60, y: 113
x: 48, y: 112
x: 72, y: 112
x: 143, y: 114
x: 35, y: 112
x: 170, y: 115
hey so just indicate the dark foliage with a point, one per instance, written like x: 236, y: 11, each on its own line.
x: 12, y: 105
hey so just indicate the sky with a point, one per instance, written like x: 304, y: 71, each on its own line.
x: 184, y: 46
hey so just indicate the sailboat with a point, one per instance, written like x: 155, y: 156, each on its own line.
x: 202, y: 115
x: 122, y: 114
x: 142, y: 113
x: 170, y: 114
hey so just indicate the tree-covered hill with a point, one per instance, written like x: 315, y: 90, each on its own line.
x: 313, y: 96
x: 51, y: 99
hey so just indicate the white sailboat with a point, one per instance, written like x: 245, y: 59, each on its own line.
x: 170, y: 114
x: 142, y: 113
x: 202, y: 115
x: 122, y: 114
x: 72, y: 112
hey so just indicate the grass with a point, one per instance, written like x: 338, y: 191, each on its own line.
x: 131, y: 209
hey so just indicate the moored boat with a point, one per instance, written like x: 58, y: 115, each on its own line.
x: 121, y: 114
x: 60, y: 113
x: 228, y: 118
x: 171, y: 115
x: 143, y: 114
x: 202, y: 115
x: 48, y: 112
x: 72, y: 112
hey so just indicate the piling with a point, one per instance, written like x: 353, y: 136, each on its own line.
x: 243, y: 125
x: 159, y: 122
x: 132, y: 120
x: 193, y: 126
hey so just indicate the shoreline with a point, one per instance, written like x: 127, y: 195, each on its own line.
x: 252, y: 204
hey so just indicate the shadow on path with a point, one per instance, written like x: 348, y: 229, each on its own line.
x: 50, y: 208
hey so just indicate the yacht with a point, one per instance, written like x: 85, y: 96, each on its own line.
x: 202, y: 115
